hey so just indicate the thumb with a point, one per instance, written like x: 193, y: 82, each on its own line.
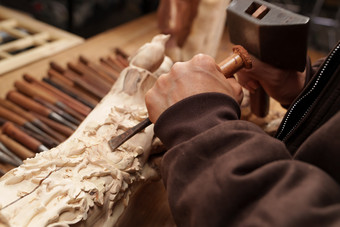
x: 246, y: 80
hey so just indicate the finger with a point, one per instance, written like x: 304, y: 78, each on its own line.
x: 253, y: 84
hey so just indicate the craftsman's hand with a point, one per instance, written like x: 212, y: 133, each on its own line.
x: 199, y: 75
x: 282, y: 85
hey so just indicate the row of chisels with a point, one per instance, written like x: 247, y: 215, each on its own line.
x: 40, y: 114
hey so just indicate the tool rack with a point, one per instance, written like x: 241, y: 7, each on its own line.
x: 24, y: 40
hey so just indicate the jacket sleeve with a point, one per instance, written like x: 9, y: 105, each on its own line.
x: 222, y: 171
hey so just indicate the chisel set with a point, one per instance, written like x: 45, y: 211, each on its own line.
x: 37, y: 115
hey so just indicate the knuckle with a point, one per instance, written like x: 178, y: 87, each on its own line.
x: 148, y: 97
x: 203, y: 59
x: 177, y: 67
x: 162, y: 80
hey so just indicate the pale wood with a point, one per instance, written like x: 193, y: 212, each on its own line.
x: 98, y: 190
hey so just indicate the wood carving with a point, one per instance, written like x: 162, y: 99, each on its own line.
x: 81, y: 182
x: 195, y: 26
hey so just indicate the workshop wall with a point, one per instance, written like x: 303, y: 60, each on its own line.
x: 325, y: 20
x: 85, y: 18
x: 90, y: 17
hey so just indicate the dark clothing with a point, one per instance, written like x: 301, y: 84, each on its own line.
x: 222, y: 171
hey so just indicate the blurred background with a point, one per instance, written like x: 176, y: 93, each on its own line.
x: 84, y: 17
x: 87, y: 18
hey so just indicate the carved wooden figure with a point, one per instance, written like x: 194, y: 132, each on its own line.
x: 81, y: 182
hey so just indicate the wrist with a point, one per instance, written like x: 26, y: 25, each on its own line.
x: 193, y: 115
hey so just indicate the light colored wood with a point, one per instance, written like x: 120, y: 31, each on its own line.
x: 40, y: 40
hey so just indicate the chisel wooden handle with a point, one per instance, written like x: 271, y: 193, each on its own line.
x: 108, y: 65
x: 122, y: 60
x: 11, y: 116
x: 56, y: 126
x: 27, y: 89
x: 28, y: 141
x: 70, y: 92
x: 4, y: 168
x: 240, y: 59
x: 117, y: 63
x: 122, y: 53
x: 60, y: 96
x: 84, y: 81
x: 31, y: 118
x: 17, y: 109
x: 59, y: 79
x: 16, y: 147
x: 98, y: 70
x: 35, y: 91
x: 90, y: 77
x: 28, y: 103
x: 259, y: 102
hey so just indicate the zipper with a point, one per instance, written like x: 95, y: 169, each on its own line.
x: 280, y: 134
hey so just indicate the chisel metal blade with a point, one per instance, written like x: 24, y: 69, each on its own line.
x: 116, y: 141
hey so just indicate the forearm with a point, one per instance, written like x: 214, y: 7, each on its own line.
x: 232, y: 173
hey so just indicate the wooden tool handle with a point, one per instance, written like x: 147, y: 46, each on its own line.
x: 4, y: 168
x: 111, y: 72
x: 89, y: 78
x: 18, y: 135
x: 120, y: 52
x: 16, y: 147
x: 56, y: 126
x: 17, y: 109
x: 46, y: 140
x: 109, y: 64
x: 240, y: 59
x: 34, y: 91
x: 57, y: 67
x: 99, y: 73
x: 89, y: 87
x: 11, y: 116
x: 259, y: 102
x: 97, y: 69
x: 27, y: 103
x: 78, y: 82
x: 53, y: 74
x: 54, y: 133
x: 122, y: 60
x: 116, y: 62
x: 71, y: 91
x: 60, y: 96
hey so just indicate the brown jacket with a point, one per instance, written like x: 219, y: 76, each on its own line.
x: 222, y: 171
